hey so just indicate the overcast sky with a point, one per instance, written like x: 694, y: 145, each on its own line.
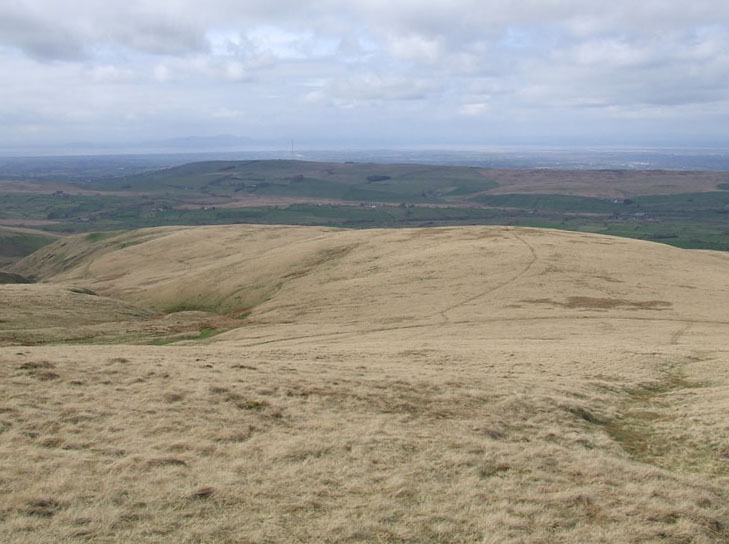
x: 366, y: 72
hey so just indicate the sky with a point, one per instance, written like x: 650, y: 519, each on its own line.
x: 371, y: 73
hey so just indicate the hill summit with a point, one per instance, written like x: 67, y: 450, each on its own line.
x: 460, y: 384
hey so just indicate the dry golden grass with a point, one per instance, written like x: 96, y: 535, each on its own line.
x: 28, y: 306
x: 444, y: 385
x: 45, y: 313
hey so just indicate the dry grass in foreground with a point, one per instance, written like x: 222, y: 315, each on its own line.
x: 453, y: 385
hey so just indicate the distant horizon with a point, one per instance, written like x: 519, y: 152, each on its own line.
x: 47, y: 164
x: 197, y: 146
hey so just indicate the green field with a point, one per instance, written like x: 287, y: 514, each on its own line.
x: 348, y: 181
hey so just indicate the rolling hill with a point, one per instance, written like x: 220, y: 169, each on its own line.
x: 458, y: 384
x: 681, y: 208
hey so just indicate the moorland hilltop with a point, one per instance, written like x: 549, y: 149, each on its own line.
x: 254, y: 383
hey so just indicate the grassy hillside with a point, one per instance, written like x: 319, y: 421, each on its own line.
x: 237, y: 268
x: 9, y: 277
x: 481, y: 384
x: 40, y: 306
x: 17, y: 243
x: 39, y: 314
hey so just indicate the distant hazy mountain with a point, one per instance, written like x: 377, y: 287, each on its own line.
x: 220, y: 141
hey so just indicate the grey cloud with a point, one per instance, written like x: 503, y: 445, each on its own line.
x: 160, y: 29
x: 161, y: 38
x: 39, y: 39
x: 52, y: 31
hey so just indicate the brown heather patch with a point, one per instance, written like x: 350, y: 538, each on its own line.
x: 595, y: 303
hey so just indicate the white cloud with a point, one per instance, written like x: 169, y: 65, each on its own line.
x: 612, y: 53
x: 415, y: 47
x: 473, y: 109
x: 106, y: 73
x: 367, y: 90
x: 162, y: 73
x: 235, y: 71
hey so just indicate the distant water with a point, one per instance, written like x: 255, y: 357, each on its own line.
x: 94, y: 167
x: 523, y: 157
